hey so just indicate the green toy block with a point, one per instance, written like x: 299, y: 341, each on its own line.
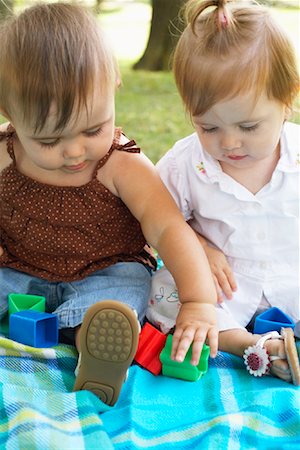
x: 183, y: 370
x: 22, y: 302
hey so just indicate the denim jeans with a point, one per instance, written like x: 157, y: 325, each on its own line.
x: 127, y: 282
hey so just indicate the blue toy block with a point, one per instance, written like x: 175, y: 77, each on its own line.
x: 272, y: 319
x: 34, y: 328
x: 183, y: 370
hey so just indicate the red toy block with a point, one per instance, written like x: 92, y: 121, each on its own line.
x: 151, y: 343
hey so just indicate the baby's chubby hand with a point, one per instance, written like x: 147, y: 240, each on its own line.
x: 222, y: 273
x: 1, y: 251
x: 196, y: 323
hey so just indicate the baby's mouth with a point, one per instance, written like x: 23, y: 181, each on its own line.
x: 236, y: 157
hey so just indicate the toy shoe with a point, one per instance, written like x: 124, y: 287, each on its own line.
x: 108, y: 342
x: 258, y: 361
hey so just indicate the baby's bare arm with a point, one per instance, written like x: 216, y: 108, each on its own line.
x: 141, y: 189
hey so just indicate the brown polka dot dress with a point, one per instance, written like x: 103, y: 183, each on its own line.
x: 66, y: 233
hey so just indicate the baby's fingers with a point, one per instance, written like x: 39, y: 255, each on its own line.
x: 212, y: 338
x: 224, y: 284
x: 182, y: 340
x: 230, y: 278
x: 200, y: 335
x: 199, y: 339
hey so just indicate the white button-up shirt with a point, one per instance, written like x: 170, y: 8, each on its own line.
x: 258, y: 233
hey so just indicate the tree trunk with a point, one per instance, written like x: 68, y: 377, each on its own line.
x: 164, y: 32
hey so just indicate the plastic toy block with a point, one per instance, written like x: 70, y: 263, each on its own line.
x: 183, y: 370
x: 21, y: 302
x: 151, y: 343
x: 272, y: 319
x: 34, y: 328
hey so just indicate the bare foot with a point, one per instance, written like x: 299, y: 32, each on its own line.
x: 236, y: 341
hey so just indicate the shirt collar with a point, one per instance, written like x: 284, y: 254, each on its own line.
x: 289, y: 155
x: 210, y: 171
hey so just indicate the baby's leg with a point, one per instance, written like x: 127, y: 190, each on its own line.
x: 127, y: 282
x: 236, y: 341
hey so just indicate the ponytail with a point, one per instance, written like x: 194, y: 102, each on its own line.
x: 223, y: 17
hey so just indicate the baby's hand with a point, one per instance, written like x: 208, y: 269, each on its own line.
x: 195, y: 323
x: 222, y: 273
x: 1, y: 251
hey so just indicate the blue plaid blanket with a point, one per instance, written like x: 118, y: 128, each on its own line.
x: 225, y: 409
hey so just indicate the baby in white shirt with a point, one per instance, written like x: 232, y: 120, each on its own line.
x: 236, y: 180
x: 258, y: 232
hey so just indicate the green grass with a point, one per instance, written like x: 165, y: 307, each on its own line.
x: 150, y: 111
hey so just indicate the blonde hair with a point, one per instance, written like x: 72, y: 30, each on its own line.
x: 231, y: 48
x: 53, y: 54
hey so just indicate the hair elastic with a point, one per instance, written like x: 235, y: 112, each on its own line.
x: 221, y: 18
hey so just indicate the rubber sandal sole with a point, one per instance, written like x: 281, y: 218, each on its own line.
x: 291, y: 354
x: 108, y: 342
